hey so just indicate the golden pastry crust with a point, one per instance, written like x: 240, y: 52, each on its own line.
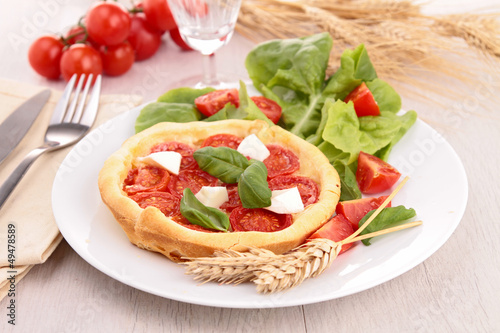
x: 150, y: 229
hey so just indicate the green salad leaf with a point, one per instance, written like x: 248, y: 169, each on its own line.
x: 158, y: 112
x: 389, y: 217
x: 183, y: 95
x: 199, y: 214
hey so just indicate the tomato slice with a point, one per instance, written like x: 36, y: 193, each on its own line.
x: 167, y: 203
x: 364, y: 102
x: 146, y: 179
x: 187, y: 161
x: 336, y: 229
x: 355, y: 210
x: 212, y: 102
x: 270, y: 108
x: 234, y: 200
x: 308, y: 189
x: 194, y: 179
x: 222, y: 140
x: 281, y: 161
x: 258, y: 219
x: 374, y: 175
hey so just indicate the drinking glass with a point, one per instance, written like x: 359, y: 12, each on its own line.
x: 206, y: 25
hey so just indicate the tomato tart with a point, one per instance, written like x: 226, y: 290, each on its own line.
x: 148, y: 200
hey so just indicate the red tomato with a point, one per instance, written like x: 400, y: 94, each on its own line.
x: 143, y: 37
x: 270, y: 108
x: 374, y: 175
x: 233, y: 198
x: 222, y: 140
x: 158, y: 14
x: 44, y: 56
x: 308, y: 189
x: 167, y: 203
x: 258, y: 219
x: 282, y: 161
x: 336, y: 229
x: 355, y: 210
x: 193, y: 179
x: 108, y: 23
x: 75, y: 35
x: 146, y: 179
x: 117, y: 59
x: 364, y: 103
x: 80, y: 59
x: 212, y: 102
x: 176, y: 37
x: 187, y: 161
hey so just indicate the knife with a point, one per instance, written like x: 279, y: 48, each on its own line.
x: 17, y: 124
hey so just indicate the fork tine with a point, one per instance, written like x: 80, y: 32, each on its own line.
x: 62, y: 104
x: 90, y: 112
x: 83, y: 99
x: 72, y: 106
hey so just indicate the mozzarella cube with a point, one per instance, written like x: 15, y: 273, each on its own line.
x: 252, y: 147
x: 169, y: 160
x: 286, y: 201
x: 212, y: 196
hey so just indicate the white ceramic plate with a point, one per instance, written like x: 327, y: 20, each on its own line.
x: 437, y: 189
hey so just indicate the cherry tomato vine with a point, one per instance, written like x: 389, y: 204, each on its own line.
x: 108, y: 40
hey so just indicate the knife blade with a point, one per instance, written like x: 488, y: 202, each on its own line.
x: 17, y: 124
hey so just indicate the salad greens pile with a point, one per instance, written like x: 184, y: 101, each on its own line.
x: 292, y: 72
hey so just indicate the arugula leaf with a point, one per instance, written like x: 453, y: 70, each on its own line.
x: 222, y: 162
x: 158, y: 112
x: 253, y: 188
x: 199, y: 214
x: 349, y: 189
x: 389, y: 217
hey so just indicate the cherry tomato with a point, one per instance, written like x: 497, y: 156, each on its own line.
x: 80, y: 59
x: 75, y: 35
x: 158, y: 14
x: 374, y: 175
x: 355, y: 210
x: 212, y: 102
x: 187, y: 161
x: 270, y: 108
x: 177, y: 38
x: 364, y: 103
x: 143, y: 37
x: 282, y: 161
x: 167, y: 203
x: 193, y: 179
x: 336, y: 229
x: 148, y: 178
x: 117, y: 59
x: 108, y: 23
x: 44, y: 56
x: 308, y: 189
x: 222, y: 140
x: 233, y: 198
x: 258, y: 219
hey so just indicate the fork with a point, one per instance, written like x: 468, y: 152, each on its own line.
x: 67, y: 126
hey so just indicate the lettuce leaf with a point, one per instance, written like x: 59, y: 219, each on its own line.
x: 158, y: 112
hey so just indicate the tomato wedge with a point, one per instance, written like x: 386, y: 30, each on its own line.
x: 270, y: 108
x: 336, y: 229
x: 355, y: 210
x: 212, y: 102
x: 364, y: 102
x: 258, y: 219
x: 374, y: 175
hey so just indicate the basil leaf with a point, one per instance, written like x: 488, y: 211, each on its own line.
x: 199, y: 214
x: 253, y: 188
x: 389, y: 217
x: 222, y: 162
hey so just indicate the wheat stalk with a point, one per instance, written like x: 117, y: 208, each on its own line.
x: 273, y: 273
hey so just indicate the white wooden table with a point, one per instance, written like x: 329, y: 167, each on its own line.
x: 455, y: 290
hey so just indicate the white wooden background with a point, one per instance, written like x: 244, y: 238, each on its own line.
x: 455, y: 290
